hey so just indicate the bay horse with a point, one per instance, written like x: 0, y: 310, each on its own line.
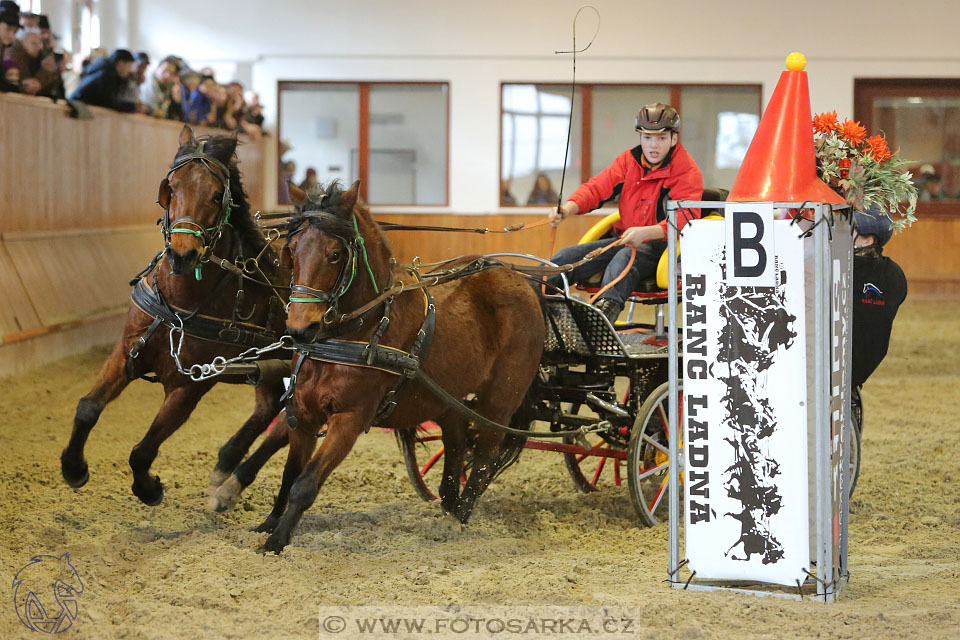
x: 206, y: 218
x: 487, y: 341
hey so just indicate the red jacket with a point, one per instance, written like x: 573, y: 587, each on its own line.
x: 678, y: 176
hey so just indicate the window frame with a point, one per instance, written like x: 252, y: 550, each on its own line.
x: 586, y: 116
x: 866, y: 90
x: 363, y: 129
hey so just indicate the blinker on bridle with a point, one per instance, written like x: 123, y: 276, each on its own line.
x: 349, y: 234
x: 208, y: 236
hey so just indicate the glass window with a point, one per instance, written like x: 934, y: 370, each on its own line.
x: 534, y: 130
x: 320, y: 124
x: 404, y: 158
x: 614, y: 113
x: 927, y: 132
x: 408, y: 144
x: 717, y: 125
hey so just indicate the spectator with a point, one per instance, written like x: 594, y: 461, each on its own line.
x: 131, y: 89
x: 29, y: 20
x: 9, y: 25
x: 102, y: 82
x: 254, y: 111
x: 198, y: 103
x: 932, y: 188
x: 163, y: 92
x: 310, y: 180
x: 43, y: 23
x: 38, y: 73
x: 542, y: 192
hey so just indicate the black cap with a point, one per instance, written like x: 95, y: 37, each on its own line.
x: 142, y: 56
x: 10, y: 16
x: 874, y: 222
x: 121, y: 55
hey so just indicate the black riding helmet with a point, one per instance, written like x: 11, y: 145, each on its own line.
x: 657, y: 117
x: 874, y: 222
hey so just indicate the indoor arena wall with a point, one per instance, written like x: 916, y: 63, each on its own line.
x: 77, y: 221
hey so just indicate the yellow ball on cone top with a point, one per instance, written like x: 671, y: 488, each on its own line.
x: 796, y: 61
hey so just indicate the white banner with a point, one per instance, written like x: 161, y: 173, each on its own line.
x: 744, y: 427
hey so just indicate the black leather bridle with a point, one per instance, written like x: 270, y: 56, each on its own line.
x: 208, y: 236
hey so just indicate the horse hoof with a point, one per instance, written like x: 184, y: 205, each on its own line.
x: 273, y: 544
x: 268, y: 525
x: 78, y: 480
x: 216, y: 479
x: 226, y: 495
x: 150, y: 496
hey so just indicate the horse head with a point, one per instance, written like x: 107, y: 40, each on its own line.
x: 196, y: 198
x: 327, y: 249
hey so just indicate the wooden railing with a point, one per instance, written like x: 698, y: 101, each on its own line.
x: 77, y: 220
x: 78, y: 213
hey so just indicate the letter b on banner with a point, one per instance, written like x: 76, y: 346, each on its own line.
x: 749, y: 244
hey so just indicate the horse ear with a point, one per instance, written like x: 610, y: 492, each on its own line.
x: 286, y: 257
x: 297, y: 195
x: 186, y: 136
x: 164, y: 193
x: 350, y: 197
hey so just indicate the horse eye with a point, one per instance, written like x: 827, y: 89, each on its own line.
x: 335, y: 257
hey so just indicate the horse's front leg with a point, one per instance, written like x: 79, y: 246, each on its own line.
x: 302, y: 444
x: 232, y: 452
x: 110, y: 383
x: 177, y: 406
x: 228, y: 493
x: 342, y: 432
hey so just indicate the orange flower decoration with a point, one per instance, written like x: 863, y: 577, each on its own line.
x: 825, y: 122
x: 878, y: 148
x: 852, y: 132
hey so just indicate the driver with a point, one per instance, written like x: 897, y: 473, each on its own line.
x: 879, y: 288
x: 643, y: 177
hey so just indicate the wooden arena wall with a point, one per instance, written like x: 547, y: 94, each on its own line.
x: 78, y: 213
x: 77, y: 221
x: 927, y: 252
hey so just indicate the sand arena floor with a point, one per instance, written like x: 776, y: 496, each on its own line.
x: 179, y: 571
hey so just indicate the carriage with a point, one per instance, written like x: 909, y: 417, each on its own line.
x: 577, y: 385
x: 604, y: 388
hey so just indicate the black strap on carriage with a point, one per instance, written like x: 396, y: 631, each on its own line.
x: 235, y: 332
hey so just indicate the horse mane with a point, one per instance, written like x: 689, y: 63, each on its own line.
x: 329, y: 197
x: 224, y: 149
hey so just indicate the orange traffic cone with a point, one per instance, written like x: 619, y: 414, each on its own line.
x: 780, y: 165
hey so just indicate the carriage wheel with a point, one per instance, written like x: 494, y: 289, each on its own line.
x: 423, y: 458
x: 648, y: 458
x: 592, y: 473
